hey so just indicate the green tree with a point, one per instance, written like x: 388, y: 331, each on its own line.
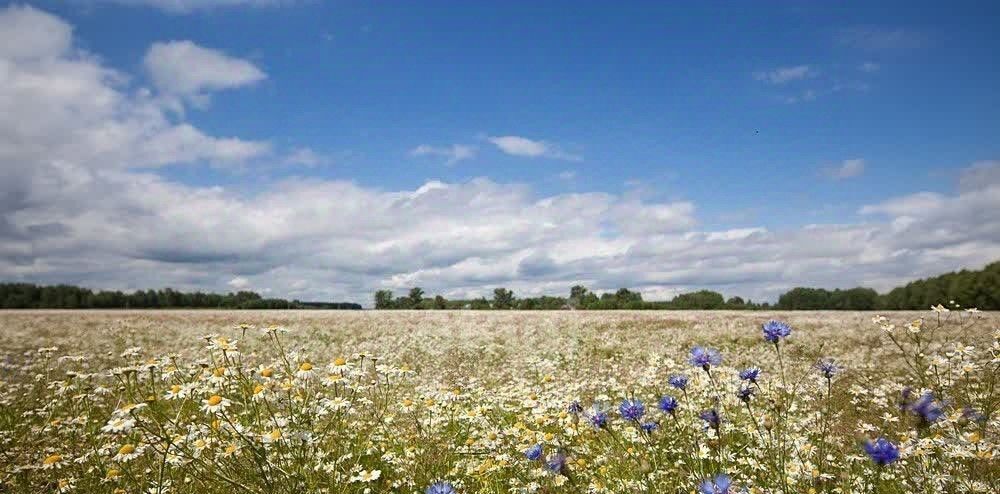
x: 503, y: 299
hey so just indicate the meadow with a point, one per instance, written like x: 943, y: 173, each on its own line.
x: 709, y: 402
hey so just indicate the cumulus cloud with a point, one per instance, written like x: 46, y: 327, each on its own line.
x: 846, y: 169
x: 83, y: 201
x: 186, y: 70
x: 782, y: 75
x: 528, y: 148
x: 453, y: 154
x: 306, y: 157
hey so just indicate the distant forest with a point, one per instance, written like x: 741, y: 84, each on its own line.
x: 29, y: 296
x: 979, y: 289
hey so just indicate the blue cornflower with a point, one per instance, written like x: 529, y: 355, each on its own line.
x: 719, y: 485
x: 668, y: 404
x: 971, y: 414
x: 711, y: 418
x: 744, y: 394
x: 556, y: 463
x: 750, y: 374
x: 598, y: 419
x: 632, y: 409
x: 575, y: 407
x: 440, y: 488
x: 774, y: 331
x: 705, y: 357
x: 882, y: 452
x: 533, y: 453
x: 649, y: 427
x: 828, y: 368
x: 928, y: 409
x: 678, y: 381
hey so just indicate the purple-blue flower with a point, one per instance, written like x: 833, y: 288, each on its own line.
x: 649, y: 427
x: 575, y: 407
x: 533, y: 453
x: 705, y: 357
x: 882, y: 452
x: 598, y: 419
x: 556, y: 463
x: 668, y: 404
x: 775, y: 331
x: 828, y: 368
x: 744, y: 394
x: 750, y: 374
x: 719, y: 485
x: 440, y: 488
x: 927, y: 408
x: 711, y: 418
x: 632, y: 409
x: 678, y: 381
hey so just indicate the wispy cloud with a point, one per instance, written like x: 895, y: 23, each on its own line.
x: 189, y: 6
x: 782, y: 75
x: 846, y: 169
x: 306, y: 157
x: 185, y: 70
x: 453, y: 154
x: 869, y: 67
x: 875, y: 38
x: 529, y: 148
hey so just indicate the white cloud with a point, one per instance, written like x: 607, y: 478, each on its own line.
x: 846, y: 169
x: 567, y: 175
x: 184, y: 69
x: 188, y: 6
x: 869, y: 67
x: 239, y: 283
x: 453, y: 153
x: 981, y: 175
x: 528, y: 148
x: 83, y: 202
x: 783, y: 75
x: 307, y: 157
x: 31, y: 34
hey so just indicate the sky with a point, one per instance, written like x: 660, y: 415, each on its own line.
x: 324, y: 150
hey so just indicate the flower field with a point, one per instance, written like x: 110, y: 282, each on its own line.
x: 499, y: 402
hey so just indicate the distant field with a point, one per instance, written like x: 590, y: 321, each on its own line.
x: 410, y: 401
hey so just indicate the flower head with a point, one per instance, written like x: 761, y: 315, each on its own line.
x: 575, y: 407
x: 828, y: 368
x: 927, y: 408
x: 775, y: 331
x: 882, y: 452
x: 744, y: 394
x: 598, y: 419
x: 719, y: 485
x: 678, y: 381
x: 556, y: 463
x: 649, y: 427
x: 440, y: 488
x: 711, y: 418
x: 750, y: 374
x: 705, y: 357
x: 533, y: 453
x: 632, y: 409
x: 668, y: 404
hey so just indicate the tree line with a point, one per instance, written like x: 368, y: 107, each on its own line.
x: 31, y: 296
x: 965, y: 288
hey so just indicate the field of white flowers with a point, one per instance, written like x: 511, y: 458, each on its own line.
x: 499, y: 402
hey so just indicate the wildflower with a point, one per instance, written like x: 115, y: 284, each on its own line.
x: 678, y: 381
x: 632, y: 409
x: 367, y: 476
x: 556, y: 463
x: 575, y: 407
x: 127, y: 452
x: 533, y: 453
x: 705, y: 357
x: 711, y: 418
x: 927, y: 408
x: 305, y: 370
x: 828, y: 368
x: 744, y: 394
x: 750, y: 374
x: 882, y: 452
x: 940, y: 308
x: 598, y: 419
x: 214, y: 404
x: 668, y: 404
x: 719, y: 485
x: 775, y: 331
x: 119, y: 424
x: 440, y: 488
x: 52, y: 461
x: 649, y: 427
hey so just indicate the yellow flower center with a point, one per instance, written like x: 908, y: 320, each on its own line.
x: 306, y: 367
x: 126, y: 449
x: 49, y: 460
x: 258, y: 389
x: 218, y: 372
x: 214, y: 400
x: 113, y: 473
x: 268, y: 372
x: 176, y: 388
x: 339, y: 361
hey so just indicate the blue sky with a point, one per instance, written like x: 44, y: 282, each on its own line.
x: 771, y: 116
